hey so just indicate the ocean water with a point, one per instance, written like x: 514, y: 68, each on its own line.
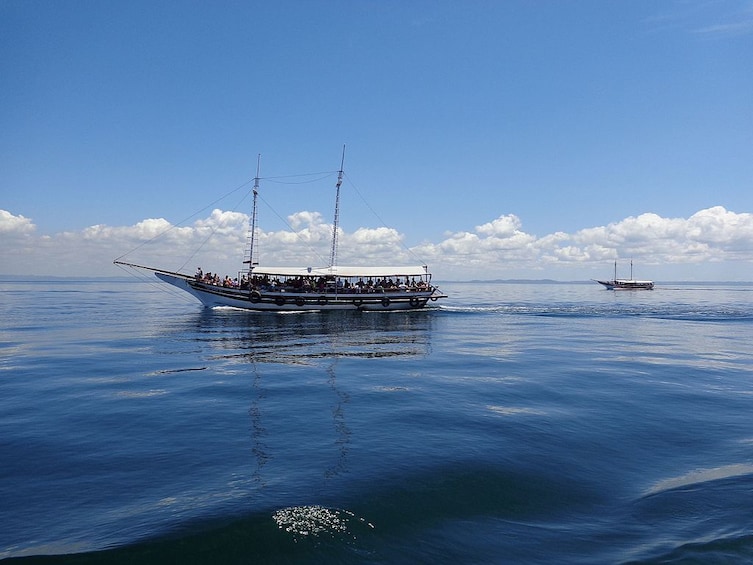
x: 511, y: 423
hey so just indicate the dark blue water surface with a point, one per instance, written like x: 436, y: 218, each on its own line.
x: 511, y: 423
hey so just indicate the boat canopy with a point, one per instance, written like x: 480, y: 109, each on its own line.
x: 339, y: 271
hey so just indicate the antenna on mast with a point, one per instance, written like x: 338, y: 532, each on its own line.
x: 335, y: 222
x: 252, y: 228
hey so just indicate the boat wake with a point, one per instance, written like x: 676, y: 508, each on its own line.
x: 677, y: 312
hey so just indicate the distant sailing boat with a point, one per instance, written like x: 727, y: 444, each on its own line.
x: 333, y: 287
x: 626, y: 284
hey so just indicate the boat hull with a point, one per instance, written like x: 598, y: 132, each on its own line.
x: 213, y: 296
x: 627, y: 285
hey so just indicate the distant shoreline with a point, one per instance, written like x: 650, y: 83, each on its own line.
x: 48, y: 278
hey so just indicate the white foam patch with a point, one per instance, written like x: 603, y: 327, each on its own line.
x: 699, y: 476
x: 513, y: 411
x: 141, y: 393
x: 313, y: 521
x: 391, y: 388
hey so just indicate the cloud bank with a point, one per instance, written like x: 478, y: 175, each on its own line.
x: 712, y: 244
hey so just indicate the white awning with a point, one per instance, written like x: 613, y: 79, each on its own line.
x: 339, y: 271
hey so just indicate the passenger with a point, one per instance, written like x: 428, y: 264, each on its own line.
x: 199, y: 274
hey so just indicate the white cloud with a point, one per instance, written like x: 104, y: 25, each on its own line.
x: 737, y: 20
x: 712, y: 234
x: 499, y: 248
x: 721, y: 19
x: 11, y: 225
x: 300, y: 220
x: 504, y: 226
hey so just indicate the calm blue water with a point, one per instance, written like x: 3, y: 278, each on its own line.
x: 513, y: 424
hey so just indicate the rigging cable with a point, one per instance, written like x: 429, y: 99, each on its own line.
x: 179, y: 224
x: 384, y: 224
x: 276, y: 180
x: 211, y: 234
x: 320, y: 176
x: 292, y: 229
x: 153, y: 282
x: 282, y: 180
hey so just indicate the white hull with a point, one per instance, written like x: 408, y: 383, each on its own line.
x: 624, y: 284
x: 281, y: 301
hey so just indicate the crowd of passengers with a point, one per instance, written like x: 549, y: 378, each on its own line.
x: 312, y: 284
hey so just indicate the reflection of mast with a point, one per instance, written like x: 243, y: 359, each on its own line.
x: 333, y: 252
x: 258, y: 430
x: 341, y: 428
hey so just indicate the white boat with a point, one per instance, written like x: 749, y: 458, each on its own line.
x: 626, y: 284
x: 332, y: 287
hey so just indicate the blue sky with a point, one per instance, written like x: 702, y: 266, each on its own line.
x: 496, y: 139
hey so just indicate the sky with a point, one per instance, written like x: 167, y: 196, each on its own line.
x: 487, y: 139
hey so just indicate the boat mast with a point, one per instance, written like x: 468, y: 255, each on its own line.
x: 252, y: 228
x: 333, y: 252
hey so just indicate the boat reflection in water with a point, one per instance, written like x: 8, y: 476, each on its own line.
x: 303, y: 338
x: 315, y: 361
